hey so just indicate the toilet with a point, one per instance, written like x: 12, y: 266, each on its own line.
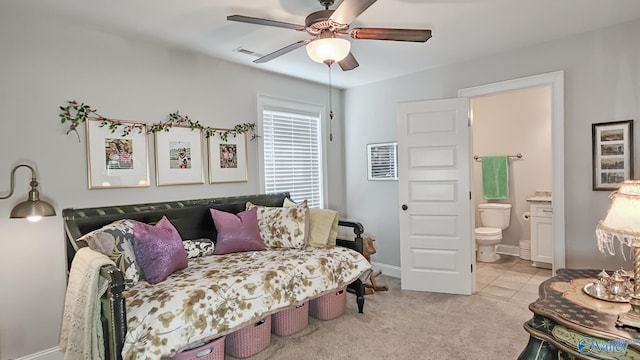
x: 495, y: 217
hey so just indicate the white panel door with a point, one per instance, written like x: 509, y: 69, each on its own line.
x: 436, y: 232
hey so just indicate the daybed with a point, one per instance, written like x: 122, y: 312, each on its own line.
x: 218, y: 294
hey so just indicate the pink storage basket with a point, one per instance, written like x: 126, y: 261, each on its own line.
x: 291, y: 320
x: 213, y: 350
x: 249, y: 340
x: 329, y: 306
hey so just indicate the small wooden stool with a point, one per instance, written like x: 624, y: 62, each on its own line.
x: 369, y: 249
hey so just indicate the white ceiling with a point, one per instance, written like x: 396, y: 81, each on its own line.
x: 462, y: 29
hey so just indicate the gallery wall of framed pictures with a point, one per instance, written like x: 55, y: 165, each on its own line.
x: 612, y: 154
x: 119, y: 161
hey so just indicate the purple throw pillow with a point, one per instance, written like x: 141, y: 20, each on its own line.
x: 158, y: 250
x: 237, y: 232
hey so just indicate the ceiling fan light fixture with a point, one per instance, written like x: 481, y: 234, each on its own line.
x: 328, y: 49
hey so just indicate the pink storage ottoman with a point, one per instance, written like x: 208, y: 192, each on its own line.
x: 329, y: 306
x: 213, y: 350
x: 249, y: 340
x: 291, y: 320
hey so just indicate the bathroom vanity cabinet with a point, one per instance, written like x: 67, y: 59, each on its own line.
x: 541, y: 233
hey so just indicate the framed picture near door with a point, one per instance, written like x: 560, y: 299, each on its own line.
x: 612, y: 154
x: 382, y: 161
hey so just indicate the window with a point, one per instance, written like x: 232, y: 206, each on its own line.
x: 292, y: 150
x: 382, y: 161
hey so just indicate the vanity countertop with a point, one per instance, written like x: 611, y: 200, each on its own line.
x: 541, y: 197
x: 544, y: 199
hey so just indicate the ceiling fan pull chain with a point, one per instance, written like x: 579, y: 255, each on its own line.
x: 330, y: 105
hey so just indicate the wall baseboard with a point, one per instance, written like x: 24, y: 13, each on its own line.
x: 394, y: 271
x: 49, y: 354
x: 388, y: 270
x: 508, y: 250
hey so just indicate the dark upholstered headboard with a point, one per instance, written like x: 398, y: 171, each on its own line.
x: 191, y: 218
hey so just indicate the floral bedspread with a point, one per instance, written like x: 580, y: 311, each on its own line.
x: 218, y: 294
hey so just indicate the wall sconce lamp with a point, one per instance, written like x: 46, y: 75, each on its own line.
x: 623, y: 223
x: 33, y: 208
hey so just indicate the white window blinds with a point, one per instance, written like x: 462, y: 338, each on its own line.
x: 292, y: 154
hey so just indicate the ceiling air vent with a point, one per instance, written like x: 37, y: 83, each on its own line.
x: 244, y: 51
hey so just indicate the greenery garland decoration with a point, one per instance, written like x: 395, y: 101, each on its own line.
x: 237, y: 129
x: 126, y: 128
x: 77, y: 113
x: 174, y: 119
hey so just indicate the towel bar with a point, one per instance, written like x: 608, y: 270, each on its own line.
x: 479, y: 158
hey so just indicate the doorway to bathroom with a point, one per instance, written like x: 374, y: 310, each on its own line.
x: 436, y: 217
x: 522, y: 116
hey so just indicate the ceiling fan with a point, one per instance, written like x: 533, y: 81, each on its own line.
x: 327, y: 25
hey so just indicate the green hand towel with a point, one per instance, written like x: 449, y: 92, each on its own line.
x: 495, y: 177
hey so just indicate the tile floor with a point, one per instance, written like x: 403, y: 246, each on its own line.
x: 510, y: 279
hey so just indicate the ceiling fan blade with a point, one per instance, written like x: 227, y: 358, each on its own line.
x: 281, y: 52
x: 348, y: 63
x: 415, y: 35
x: 349, y: 10
x: 267, y: 22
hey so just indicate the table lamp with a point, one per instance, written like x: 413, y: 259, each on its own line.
x: 623, y: 223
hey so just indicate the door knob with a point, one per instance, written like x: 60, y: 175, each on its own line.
x: 404, y: 207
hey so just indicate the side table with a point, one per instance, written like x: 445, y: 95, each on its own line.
x: 569, y: 324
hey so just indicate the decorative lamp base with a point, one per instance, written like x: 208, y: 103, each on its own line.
x: 629, y: 319
x: 632, y: 317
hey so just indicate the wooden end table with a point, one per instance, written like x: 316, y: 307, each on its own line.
x: 569, y: 324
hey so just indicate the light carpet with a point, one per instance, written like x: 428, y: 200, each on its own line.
x: 411, y: 325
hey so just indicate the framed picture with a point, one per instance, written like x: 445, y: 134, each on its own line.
x: 179, y: 156
x: 114, y: 160
x: 612, y: 154
x: 227, y: 158
x: 382, y: 161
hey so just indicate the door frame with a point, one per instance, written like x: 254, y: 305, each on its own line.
x: 556, y: 81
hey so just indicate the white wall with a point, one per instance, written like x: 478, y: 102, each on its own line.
x: 507, y: 124
x: 46, y: 61
x: 602, y: 83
